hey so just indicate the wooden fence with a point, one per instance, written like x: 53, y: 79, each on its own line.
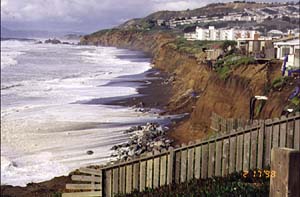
x: 224, y: 125
x: 249, y: 148
x: 88, y: 183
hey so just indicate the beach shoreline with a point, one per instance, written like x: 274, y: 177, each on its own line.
x: 153, y: 94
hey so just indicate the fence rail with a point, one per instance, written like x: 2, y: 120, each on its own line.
x: 242, y: 149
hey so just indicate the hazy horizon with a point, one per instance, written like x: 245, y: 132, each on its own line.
x: 85, y: 16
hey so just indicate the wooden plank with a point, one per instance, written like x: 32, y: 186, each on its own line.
x: 268, y: 140
x: 204, y: 159
x: 297, y: 134
x: 246, y: 155
x: 83, y: 186
x: 91, y: 171
x: 135, y: 177
x: 197, y: 162
x: 156, y: 172
x: 143, y: 175
x: 128, y: 179
x: 211, y: 159
x: 290, y: 134
x: 232, y: 154
x: 190, y: 165
x: 260, y: 145
x: 283, y: 132
x: 218, y: 170
x: 275, y: 138
x: 163, y: 170
x: 82, y: 194
x: 115, y: 184
x: 225, y: 157
x: 253, y: 151
x: 85, y: 178
x: 108, y: 183
x: 239, y: 153
x: 177, y: 166
x: 170, y: 167
x: 149, y: 176
x: 122, y: 181
x: 183, y: 167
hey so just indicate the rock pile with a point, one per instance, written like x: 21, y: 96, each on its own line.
x: 143, y: 139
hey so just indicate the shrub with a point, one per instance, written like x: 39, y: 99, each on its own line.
x: 223, y: 72
x: 279, y: 82
x: 232, y: 185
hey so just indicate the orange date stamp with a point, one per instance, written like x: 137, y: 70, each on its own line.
x: 259, y: 173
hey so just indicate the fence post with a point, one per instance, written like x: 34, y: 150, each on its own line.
x: 286, y: 172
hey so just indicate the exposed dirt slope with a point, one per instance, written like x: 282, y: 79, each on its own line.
x: 229, y: 98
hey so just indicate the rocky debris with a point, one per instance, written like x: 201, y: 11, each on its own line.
x: 89, y: 152
x: 66, y: 43
x: 39, y: 42
x: 52, y: 41
x: 143, y: 139
x: 170, y: 80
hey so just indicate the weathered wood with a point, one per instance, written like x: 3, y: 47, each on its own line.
x: 232, y: 154
x: 283, y: 132
x: 239, y: 153
x: 275, y: 138
x: 286, y: 170
x: 211, y: 159
x: 246, y: 155
x: 260, y: 146
x: 197, y: 162
x: 128, y: 179
x: 149, y: 177
x: 190, y: 165
x: 163, y: 170
x: 297, y: 134
x: 170, y: 172
x: 84, y: 186
x: 83, y: 194
x: 290, y: 134
x: 115, y: 184
x: 108, y: 183
x: 156, y: 172
x: 85, y: 178
x: 90, y: 171
x: 183, y: 167
x: 267, y: 147
x: 253, y: 151
x: 143, y: 175
x: 225, y: 157
x: 177, y: 166
x: 122, y: 183
x: 219, y: 152
x: 135, y: 176
x: 204, y: 159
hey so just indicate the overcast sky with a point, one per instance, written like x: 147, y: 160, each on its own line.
x: 84, y: 15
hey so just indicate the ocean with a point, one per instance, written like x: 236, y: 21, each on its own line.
x: 47, y: 127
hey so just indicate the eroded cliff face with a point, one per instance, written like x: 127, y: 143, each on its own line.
x: 197, y: 89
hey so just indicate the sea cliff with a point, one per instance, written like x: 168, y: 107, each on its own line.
x: 190, y: 75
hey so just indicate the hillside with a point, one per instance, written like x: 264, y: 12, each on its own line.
x: 228, y: 97
x: 284, y: 21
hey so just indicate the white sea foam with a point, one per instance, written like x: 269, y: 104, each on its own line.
x: 45, y: 131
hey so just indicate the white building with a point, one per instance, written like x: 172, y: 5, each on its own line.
x: 223, y: 34
x: 291, y: 48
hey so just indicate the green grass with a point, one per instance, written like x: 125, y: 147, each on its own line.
x: 194, y: 47
x: 223, y: 72
x: 279, y: 82
x: 232, y: 185
x: 224, y: 65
